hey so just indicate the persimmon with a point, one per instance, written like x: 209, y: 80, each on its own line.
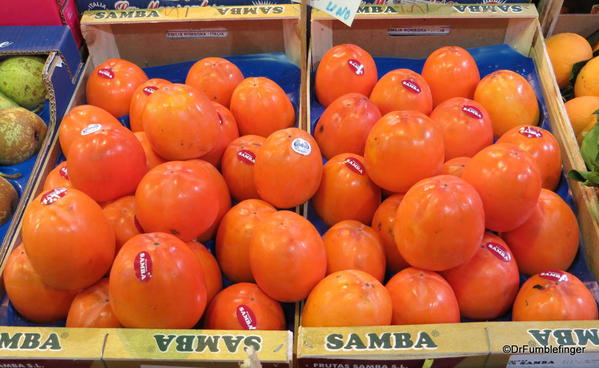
x: 383, y: 223
x: 216, y: 77
x: 238, y: 163
x: 140, y: 99
x: 402, y: 89
x: 91, y: 308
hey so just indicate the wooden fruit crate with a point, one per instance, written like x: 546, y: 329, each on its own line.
x: 553, y: 21
x: 472, y: 344
x: 149, y: 38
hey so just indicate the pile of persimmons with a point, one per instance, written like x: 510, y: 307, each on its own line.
x: 115, y: 237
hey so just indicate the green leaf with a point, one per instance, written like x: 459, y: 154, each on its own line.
x: 576, y: 69
x: 588, y: 178
x: 590, y: 148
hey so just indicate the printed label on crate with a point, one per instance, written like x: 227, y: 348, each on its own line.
x: 565, y: 336
x: 488, y: 8
x: 51, y: 343
x: 419, y: 31
x: 587, y: 360
x: 181, y: 34
x: 197, y: 13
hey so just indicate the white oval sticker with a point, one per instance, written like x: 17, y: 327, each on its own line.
x: 92, y: 128
x: 301, y: 146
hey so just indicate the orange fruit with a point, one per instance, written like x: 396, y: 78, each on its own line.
x: 548, y: 239
x: 91, y: 308
x: 58, y: 178
x: 351, y: 245
x: 347, y: 298
x: 510, y: 100
x: 587, y: 81
x: 261, y: 107
x: 466, y: 126
x: 111, y: 85
x: 238, y: 163
x: 383, y: 223
x: 344, y: 126
x: 440, y: 223
x: 287, y: 256
x: 346, y: 192
x: 455, y: 166
x: 288, y: 168
x: 542, y: 147
x: 140, y: 99
x: 509, y: 184
x: 554, y: 296
x: 121, y: 216
x: 210, y: 268
x: 235, y: 235
x: 422, y: 297
x: 152, y: 159
x: 344, y: 69
x: 29, y: 295
x: 580, y: 112
x: 565, y: 50
x: 393, y: 144
x: 450, y: 72
x: 216, y: 77
x: 402, y: 89
x: 227, y: 133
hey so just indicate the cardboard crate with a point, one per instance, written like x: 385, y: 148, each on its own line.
x: 553, y: 21
x: 60, y: 74
x: 471, y: 344
x: 127, y: 34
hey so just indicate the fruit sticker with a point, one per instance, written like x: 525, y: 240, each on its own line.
x: 411, y: 86
x: 143, y: 266
x: 354, y: 165
x: 530, y: 132
x: 64, y: 172
x: 92, y: 128
x: 246, y: 317
x: 554, y: 275
x: 106, y: 73
x: 472, y: 111
x: 499, y: 251
x: 247, y: 157
x: 301, y: 146
x: 53, y: 196
x: 356, y: 66
x: 148, y: 90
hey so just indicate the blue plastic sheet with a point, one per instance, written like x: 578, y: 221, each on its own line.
x: 275, y: 66
x: 488, y: 59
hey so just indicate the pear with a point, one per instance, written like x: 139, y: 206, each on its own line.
x: 21, y: 134
x: 21, y: 80
x: 6, y: 102
x: 8, y: 200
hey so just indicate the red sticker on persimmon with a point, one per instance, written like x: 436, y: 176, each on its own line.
x: 499, y: 251
x: 53, y: 195
x: 106, y: 73
x: 246, y: 317
x: 356, y: 66
x: 143, y: 266
x: 411, y: 86
x: 64, y: 172
x: 354, y: 165
x: 472, y: 111
x: 148, y: 90
x: 530, y: 132
x: 247, y: 157
x: 554, y: 275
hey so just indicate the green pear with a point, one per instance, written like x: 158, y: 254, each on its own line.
x: 6, y: 102
x: 8, y: 200
x: 21, y: 80
x: 21, y: 134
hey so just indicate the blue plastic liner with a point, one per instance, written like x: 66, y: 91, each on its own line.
x: 488, y: 59
x: 275, y: 66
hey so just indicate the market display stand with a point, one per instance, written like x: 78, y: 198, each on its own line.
x: 149, y: 38
x: 424, y: 28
